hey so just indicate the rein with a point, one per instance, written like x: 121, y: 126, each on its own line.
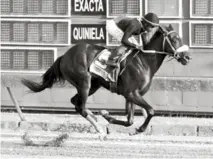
x: 156, y: 52
x: 164, y: 41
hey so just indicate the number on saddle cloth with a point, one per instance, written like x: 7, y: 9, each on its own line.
x: 114, y: 54
x: 99, y: 66
x: 104, y: 55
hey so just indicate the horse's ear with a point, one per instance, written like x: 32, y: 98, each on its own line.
x: 171, y: 27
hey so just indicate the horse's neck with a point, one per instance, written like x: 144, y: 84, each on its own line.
x: 155, y: 61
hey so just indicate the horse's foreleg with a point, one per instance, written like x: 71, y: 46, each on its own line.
x: 138, y: 99
x: 144, y: 113
x: 130, y: 111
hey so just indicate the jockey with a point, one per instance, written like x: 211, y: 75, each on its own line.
x: 123, y: 28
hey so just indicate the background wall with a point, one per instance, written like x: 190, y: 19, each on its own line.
x: 34, y: 33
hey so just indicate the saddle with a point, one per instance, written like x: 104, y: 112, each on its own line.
x: 107, y: 72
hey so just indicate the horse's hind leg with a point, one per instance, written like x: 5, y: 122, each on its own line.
x: 130, y: 111
x: 79, y: 100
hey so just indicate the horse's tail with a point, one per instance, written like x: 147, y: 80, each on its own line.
x: 52, y: 75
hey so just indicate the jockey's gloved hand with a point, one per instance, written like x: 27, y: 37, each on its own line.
x: 139, y: 47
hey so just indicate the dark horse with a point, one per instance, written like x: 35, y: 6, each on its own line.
x: 133, y: 83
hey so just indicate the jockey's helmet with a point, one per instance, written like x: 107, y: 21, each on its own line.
x: 151, y: 19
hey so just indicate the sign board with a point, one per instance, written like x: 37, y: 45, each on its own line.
x: 131, y: 8
x: 201, y: 9
x: 27, y: 59
x: 35, y: 31
x: 88, y: 7
x: 164, y: 8
x: 201, y: 34
x: 90, y: 33
x: 35, y: 8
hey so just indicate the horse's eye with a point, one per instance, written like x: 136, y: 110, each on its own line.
x: 173, y: 41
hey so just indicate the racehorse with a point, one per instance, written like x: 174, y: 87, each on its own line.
x: 133, y: 83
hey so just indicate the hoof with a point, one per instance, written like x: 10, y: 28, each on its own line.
x: 102, y: 137
x: 101, y: 131
x: 142, y: 129
x: 134, y: 133
x: 104, y: 112
x: 138, y: 131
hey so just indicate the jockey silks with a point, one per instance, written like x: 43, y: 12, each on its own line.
x: 124, y: 29
x: 117, y: 33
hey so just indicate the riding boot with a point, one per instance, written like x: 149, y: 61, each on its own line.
x: 112, y: 62
x: 116, y: 54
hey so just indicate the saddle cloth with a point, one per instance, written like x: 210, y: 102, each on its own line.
x: 99, y: 67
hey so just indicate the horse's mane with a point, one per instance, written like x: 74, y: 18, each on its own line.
x: 159, y: 32
x: 156, y: 35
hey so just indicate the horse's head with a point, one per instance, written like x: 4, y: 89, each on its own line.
x: 173, y: 45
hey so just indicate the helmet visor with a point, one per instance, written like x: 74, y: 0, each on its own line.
x: 151, y: 23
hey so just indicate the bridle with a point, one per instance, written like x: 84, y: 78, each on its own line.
x: 166, y: 39
x: 176, y: 51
